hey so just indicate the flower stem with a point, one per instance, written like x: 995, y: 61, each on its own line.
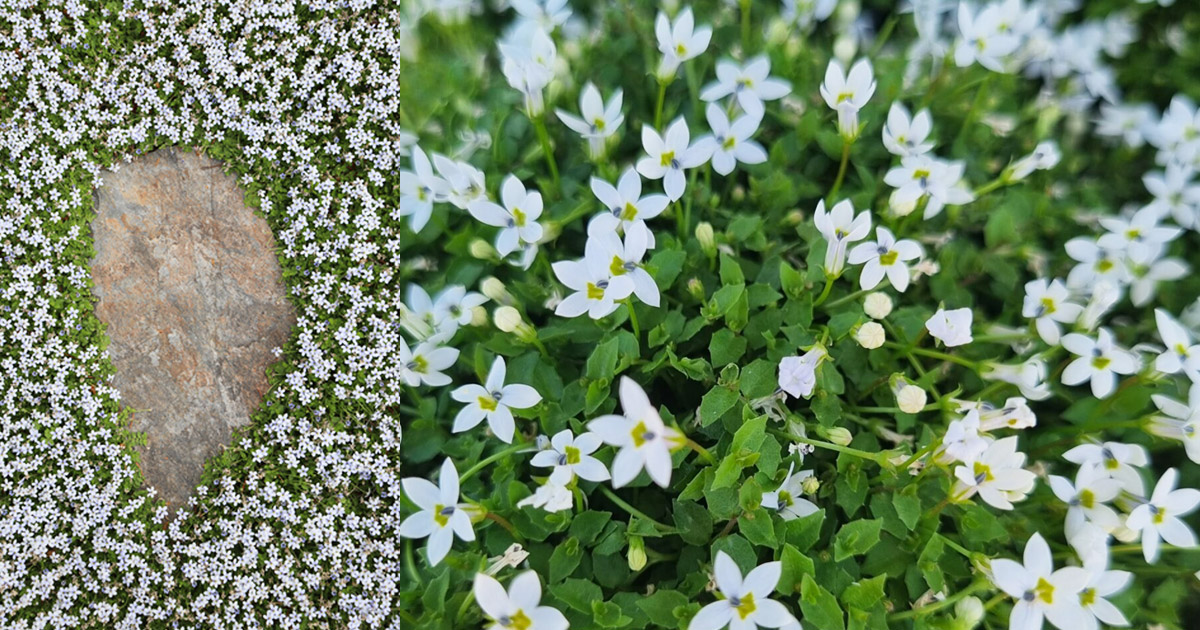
x: 633, y: 320
x: 999, y: 182
x: 878, y: 458
x: 846, y: 298
x: 502, y: 522
x: 934, y: 354
x: 621, y: 503
x: 745, y: 25
x: 825, y: 293
x: 539, y: 124
x: 841, y: 174
x: 975, y: 587
x: 976, y: 105
x: 658, y: 109
x: 512, y: 450
x: 409, y: 563
x: 695, y: 446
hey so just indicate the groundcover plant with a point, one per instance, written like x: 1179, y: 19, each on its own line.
x: 620, y: 315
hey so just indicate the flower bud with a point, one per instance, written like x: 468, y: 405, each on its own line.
x: 507, y: 319
x: 550, y: 231
x: 870, y: 335
x: 839, y: 435
x: 479, y: 316
x: 968, y: 612
x: 911, y: 399
x: 794, y: 217
x: 483, y: 250
x: 696, y: 288
x: 708, y: 240
x: 900, y: 208
x: 494, y: 289
x: 877, y: 305
x: 738, y: 193
x: 810, y: 485
x: 637, y: 553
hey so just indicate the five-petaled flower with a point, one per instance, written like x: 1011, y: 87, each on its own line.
x: 645, y: 441
x: 493, y: 400
x: 441, y: 516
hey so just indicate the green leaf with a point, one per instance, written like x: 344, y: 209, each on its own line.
x: 827, y: 408
x: 796, y: 565
x: 578, y: 594
x: 791, y: 281
x: 908, y: 506
x: 758, y: 528
x: 856, y: 538
x: 928, y: 563
x: 804, y: 532
x: 609, y: 615
x: 851, y: 487
x: 565, y: 560
x: 588, y: 524
x: 434, y: 597
x: 693, y: 521
x: 820, y: 608
x: 602, y: 363
x: 726, y: 347
x: 666, y: 265
x: 660, y: 607
x: 715, y: 403
x: 731, y: 273
x: 864, y: 594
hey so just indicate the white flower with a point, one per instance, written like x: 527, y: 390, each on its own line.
x: 938, y: 181
x: 571, y: 456
x: 1040, y: 591
x: 1087, y: 500
x: 1029, y: 377
x: 1139, y: 236
x: 679, y: 42
x: 596, y: 290
x: 1158, y: 518
x: 599, y: 121
x: 749, y: 84
x: 904, y: 136
x: 877, y: 305
x: 1100, y: 361
x: 1174, y: 193
x: 441, y: 516
x: 870, y: 335
x: 1102, y: 583
x: 1047, y: 303
x: 419, y: 189
x: 786, y: 501
x: 644, y: 440
x: 952, y: 328
x: 746, y: 605
x: 625, y: 207
x: 1045, y: 156
x: 1180, y: 355
x: 1130, y: 122
x: 424, y: 364
x: 731, y: 143
x: 996, y: 475
x: 528, y: 68
x: 517, y: 220
x: 1182, y: 422
x: 623, y: 260
x: 670, y: 155
x: 519, y: 608
x: 1112, y: 459
x: 465, y: 182
x: 550, y: 497
x: 848, y: 94
x: 1096, y: 264
x: 798, y: 374
x: 885, y: 256
x: 962, y: 441
x: 1015, y: 414
x: 545, y: 13
x: 452, y: 308
x: 840, y: 227
x: 494, y: 401
x: 1146, y: 278
x: 982, y: 39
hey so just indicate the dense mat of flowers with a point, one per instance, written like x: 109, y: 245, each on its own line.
x: 738, y: 314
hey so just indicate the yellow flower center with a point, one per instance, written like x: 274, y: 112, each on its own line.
x: 745, y: 606
x: 1087, y: 596
x: 667, y: 158
x: 921, y: 174
x: 419, y: 364
x: 518, y: 217
x: 680, y: 50
x: 1087, y: 499
x: 729, y: 142
x: 1048, y: 306
x: 641, y: 434
x: 1045, y: 591
x: 889, y: 257
x: 629, y: 213
x: 517, y: 621
x: 1101, y: 362
x: 1104, y: 264
x: 439, y: 516
x: 598, y: 123
x: 845, y: 96
x: 594, y: 292
x: 617, y: 266
x: 487, y: 403
x: 573, y: 455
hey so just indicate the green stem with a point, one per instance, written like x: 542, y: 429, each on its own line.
x: 934, y: 354
x: 462, y: 610
x: 512, y: 450
x: 825, y: 292
x: 637, y: 331
x: 658, y: 109
x: 975, y: 587
x: 409, y: 563
x: 878, y: 458
x: 539, y: 124
x: 695, y: 446
x: 621, y: 503
x: 999, y: 182
x: 976, y: 106
x: 841, y: 174
x: 745, y: 25
x: 847, y: 298
x: 957, y: 547
x: 502, y: 522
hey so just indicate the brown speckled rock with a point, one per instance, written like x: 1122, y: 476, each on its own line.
x: 190, y: 289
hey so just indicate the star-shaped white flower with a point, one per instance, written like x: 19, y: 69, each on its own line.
x: 670, y: 155
x: 840, y: 227
x: 847, y: 94
x: 517, y: 219
x: 730, y: 143
x: 747, y: 604
x: 885, y: 257
x: 905, y: 136
x: 624, y: 260
x: 424, y: 364
x: 494, y: 401
x: 1049, y: 306
x: 787, y: 500
x: 597, y: 121
x: 997, y: 475
x: 519, y: 608
x: 1113, y: 459
x: 571, y: 456
x: 1180, y: 355
x: 679, y: 41
x: 441, y: 516
x: 625, y: 207
x: 1100, y: 361
x: 1158, y: 519
x: 1040, y: 591
x: 1087, y: 500
x: 952, y: 328
x: 798, y: 374
x: 749, y: 84
x: 644, y: 440
x: 1181, y: 422
x: 596, y: 290
x: 419, y: 189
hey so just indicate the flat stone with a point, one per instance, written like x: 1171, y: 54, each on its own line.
x: 191, y: 291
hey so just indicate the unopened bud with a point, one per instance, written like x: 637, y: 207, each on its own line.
x: 483, y: 250
x: 696, y: 288
x: 839, y: 435
x: 738, y: 193
x: 794, y: 217
x: 494, y: 289
x: 911, y: 399
x: 810, y: 485
x: 877, y: 305
x: 507, y: 319
x: 550, y: 231
x: 479, y: 316
x: 968, y: 612
x: 870, y: 335
x: 707, y: 239
x: 637, y: 553
x: 900, y: 208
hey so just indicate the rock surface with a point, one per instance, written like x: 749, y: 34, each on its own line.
x: 190, y: 289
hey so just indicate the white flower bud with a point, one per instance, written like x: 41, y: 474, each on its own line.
x: 870, y: 335
x: 968, y: 612
x: 507, y: 319
x: 900, y: 208
x: 911, y: 399
x: 479, y: 316
x: 707, y: 239
x: 877, y: 305
x: 483, y: 250
x: 839, y: 435
x: 494, y: 289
